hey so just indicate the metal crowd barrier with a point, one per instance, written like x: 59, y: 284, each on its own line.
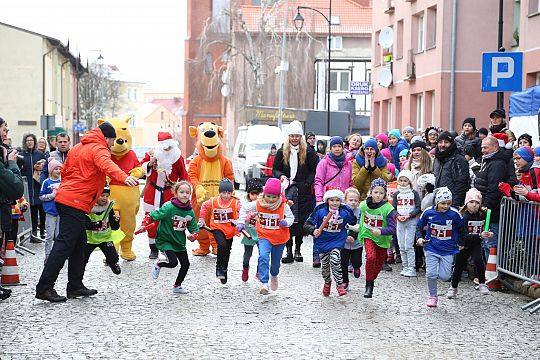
x: 25, y: 227
x: 518, y: 250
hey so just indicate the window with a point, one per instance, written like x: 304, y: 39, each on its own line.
x: 538, y: 78
x: 377, y: 50
x: 420, y: 42
x: 162, y: 115
x: 431, y: 27
x: 132, y: 120
x: 399, y: 39
x: 419, y: 111
x: 534, y: 7
x: 134, y: 94
x: 339, y: 80
x: 335, y: 20
x: 433, y: 108
x: 336, y: 43
x: 129, y: 94
x: 389, y: 114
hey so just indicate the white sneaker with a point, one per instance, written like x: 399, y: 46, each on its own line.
x: 264, y: 289
x: 274, y: 283
x: 403, y: 272
x: 155, y: 270
x: 179, y: 290
x: 451, y: 293
x: 483, y: 288
x: 410, y: 272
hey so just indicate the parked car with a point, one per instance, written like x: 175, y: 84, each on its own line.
x: 251, y: 150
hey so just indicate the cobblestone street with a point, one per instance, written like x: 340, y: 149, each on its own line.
x: 135, y: 317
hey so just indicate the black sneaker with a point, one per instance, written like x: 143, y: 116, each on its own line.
x: 35, y: 239
x: 386, y: 267
x: 298, y: 256
x: 84, y: 291
x: 224, y: 280
x: 221, y: 275
x: 116, y: 269
x: 50, y: 295
x: 287, y: 259
x: 5, y: 289
x: 153, y: 253
x: 4, y: 295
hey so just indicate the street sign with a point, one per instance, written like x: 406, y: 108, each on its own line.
x: 359, y: 88
x: 502, y: 71
x: 47, y: 122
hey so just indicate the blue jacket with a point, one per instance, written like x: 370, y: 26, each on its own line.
x: 30, y: 159
x: 334, y: 237
x: 444, y: 230
x: 46, y: 195
x: 402, y: 144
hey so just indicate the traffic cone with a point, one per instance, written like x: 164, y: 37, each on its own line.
x: 491, y: 271
x: 10, y: 270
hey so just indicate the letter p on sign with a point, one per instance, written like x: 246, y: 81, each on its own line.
x: 502, y: 71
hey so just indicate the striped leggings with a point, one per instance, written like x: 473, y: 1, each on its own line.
x: 331, y: 261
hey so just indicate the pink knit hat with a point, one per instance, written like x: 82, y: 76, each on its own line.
x: 272, y: 187
x: 383, y: 138
x: 392, y: 168
x: 386, y: 153
x: 473, y: 194
x: 53, y: 164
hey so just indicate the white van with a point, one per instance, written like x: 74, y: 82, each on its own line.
x: 251, y: 150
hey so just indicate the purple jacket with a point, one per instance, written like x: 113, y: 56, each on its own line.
x: 326, y: 170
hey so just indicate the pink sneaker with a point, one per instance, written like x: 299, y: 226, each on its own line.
x: 432, y: 301
x: 257, y: 276
x: 326, y: 289
x: 245, y: 274
x: 341, y: 290
x: 274, y: 283
x: 357, y: 272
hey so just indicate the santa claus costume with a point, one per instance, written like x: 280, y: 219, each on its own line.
x: 165, y: 167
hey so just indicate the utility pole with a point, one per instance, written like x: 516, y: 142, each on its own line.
x: 500, y: 94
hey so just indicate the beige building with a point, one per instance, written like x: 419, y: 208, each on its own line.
x: 158, y: 115
x: 37, y: 76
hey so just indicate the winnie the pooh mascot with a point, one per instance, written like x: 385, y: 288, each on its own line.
x: 205, y: 172
x: 126, y: 198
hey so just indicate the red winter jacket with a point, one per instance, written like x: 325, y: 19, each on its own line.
x: 83, y: 173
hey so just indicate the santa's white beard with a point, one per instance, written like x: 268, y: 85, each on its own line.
x: 166, y: 158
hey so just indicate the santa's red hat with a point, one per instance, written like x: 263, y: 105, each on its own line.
x: 163, y: 136
x: 502, y: 138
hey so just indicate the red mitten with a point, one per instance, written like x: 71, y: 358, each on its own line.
x: 505, y: 188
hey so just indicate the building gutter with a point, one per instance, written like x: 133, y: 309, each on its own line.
x: 453, y: 65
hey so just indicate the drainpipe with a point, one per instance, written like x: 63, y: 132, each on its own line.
x: 453, y: 65
x: 43, y: 95
x: 62, y: 89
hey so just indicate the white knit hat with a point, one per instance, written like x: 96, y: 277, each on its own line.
x: 425, y: 179
x: 333, y: 193
x: 295, y: 128
x: 408, y: 174
x: 443, y: 194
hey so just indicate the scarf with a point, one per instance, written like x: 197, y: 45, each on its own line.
x: 445, y: 153
x: 339, y: 160
x: 415, y: 164
x: 404, y: 189
x: 270, y: 206
x: 181, y: 205
x: 293, y: 161
x: 498, y: 128
x: 486, y: 157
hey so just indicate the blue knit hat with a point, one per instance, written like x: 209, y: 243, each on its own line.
x: 537, y: 151
x: 372, y: 143
x: 395, y: 132
x: 408, y: 129
x: 378, y: 182
x: 404, y: 152
x: 526, y: 153
x: 336, y: 140
x: 226, y: 185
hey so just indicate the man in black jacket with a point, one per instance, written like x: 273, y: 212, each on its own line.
x: 495, y: 167
x: 451, y: 169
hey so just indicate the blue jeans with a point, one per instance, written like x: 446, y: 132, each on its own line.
x: 491, y: 242
x: 266, y: 249
x: 437, y: 267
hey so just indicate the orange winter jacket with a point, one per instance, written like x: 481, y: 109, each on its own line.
x: 83, y: 173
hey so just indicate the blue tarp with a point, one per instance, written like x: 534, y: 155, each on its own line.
x: 525, y: 103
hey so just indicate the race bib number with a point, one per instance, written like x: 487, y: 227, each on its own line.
x: 441, y: 232
x: 405, y: 203
x: 334, y: 226
x: 373, y: 221
x: 222, y: 216
x: 180, y: 223
x: 253, y: 221
x: 269, y: 221
x: 475, y: 227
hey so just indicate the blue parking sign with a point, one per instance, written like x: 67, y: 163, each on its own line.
x: 502, y: 71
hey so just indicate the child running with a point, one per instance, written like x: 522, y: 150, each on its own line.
x: 176, y: 223
x: 352, y: 252
x: 254, y: 189
x: 224, y: 214
x: 273, y: 222
x: 47, y: 195
x: 102, y: 230
x: 475, y: 220
x: 444, y: 233
x: 377, y: 225
x: 406, y: 201
x: 328, y: 225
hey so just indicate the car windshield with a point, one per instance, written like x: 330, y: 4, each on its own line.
x: 260, y: 147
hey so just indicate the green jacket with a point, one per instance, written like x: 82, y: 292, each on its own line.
x: 173, y: 222
x: 375, y: 218
x: 11, y: 182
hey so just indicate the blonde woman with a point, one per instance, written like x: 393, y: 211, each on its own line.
x: 295, y: 166
x: 419, y: 163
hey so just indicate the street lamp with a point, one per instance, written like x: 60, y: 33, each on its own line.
x: 299, y: 24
